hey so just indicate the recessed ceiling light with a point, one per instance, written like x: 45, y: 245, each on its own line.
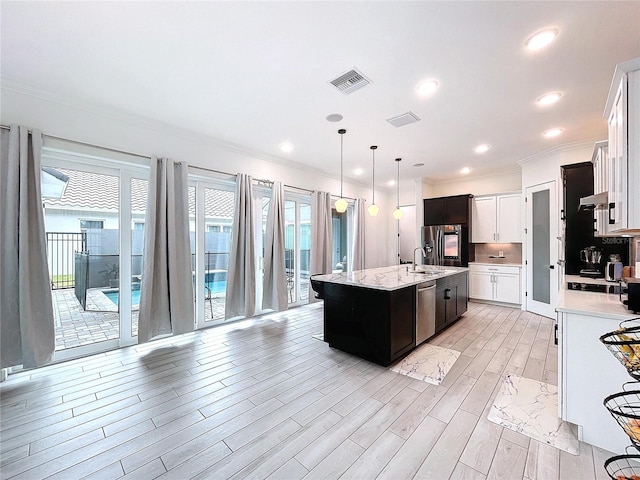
x: 465, y: 170
x: 334, y: 117
x: 391, y: 183
x: 482, y: 148
x: 427, y: 87
x: 541, y: 39
x: 286, y: 147
x: 549, y: 98
x: 358, y: 171
x: 418, y: 164
x: 553, y: 132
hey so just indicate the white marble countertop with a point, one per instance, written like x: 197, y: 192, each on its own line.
x: 579, y: 279
x: 389, y: 278
x: 591, y: 303
x: 498, y: 264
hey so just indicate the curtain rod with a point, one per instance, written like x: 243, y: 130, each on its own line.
x: 77, y: 142
x: 115, y: 150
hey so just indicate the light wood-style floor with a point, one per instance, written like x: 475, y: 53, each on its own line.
x: 263, y: 399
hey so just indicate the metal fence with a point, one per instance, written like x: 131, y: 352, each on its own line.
x: 61, y: 249
x: 65, y: 263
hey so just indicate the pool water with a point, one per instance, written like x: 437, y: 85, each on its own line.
x: 219, y: 286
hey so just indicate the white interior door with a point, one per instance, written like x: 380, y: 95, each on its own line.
x: 542, y: 254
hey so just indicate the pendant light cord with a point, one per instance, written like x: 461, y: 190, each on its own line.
x: 373, y: 176
x: 398, y: 185
x: 373, y: 179
x: 341, y: 132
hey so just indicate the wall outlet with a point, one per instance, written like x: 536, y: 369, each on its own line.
x: 501, y: 253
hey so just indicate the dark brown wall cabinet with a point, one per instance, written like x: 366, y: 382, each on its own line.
x: 448, y: 210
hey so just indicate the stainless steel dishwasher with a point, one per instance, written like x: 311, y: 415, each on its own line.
x: 425, y: 311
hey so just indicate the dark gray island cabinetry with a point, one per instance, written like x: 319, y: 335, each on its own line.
x: 452, y: 295
x: 373, y: 313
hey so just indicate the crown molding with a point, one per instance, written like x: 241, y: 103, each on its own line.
x: 482, y: 174
x: 566, y: 147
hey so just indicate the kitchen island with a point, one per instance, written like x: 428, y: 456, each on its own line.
x: 375, y: 313
x: 587, y: 371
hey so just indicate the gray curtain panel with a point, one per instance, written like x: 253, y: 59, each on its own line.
x: 274, y: 284
x: 241, y: 275
x: 321, y: 236
x: 357, y: 245
x: 166, y: 288
x: 26, y: 313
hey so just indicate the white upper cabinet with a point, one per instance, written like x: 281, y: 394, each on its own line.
x: 497, y: 219
x: 483, y: 228
x: 623, y: 117
x: 509, y: 215
x: 600, y: 160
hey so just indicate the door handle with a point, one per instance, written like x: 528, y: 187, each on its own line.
x: 612, y: 207
x: 552, y: 267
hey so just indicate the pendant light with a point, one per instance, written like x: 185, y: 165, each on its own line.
x: 373, y: 208
x: 397, y: 213
x: 341, y: 204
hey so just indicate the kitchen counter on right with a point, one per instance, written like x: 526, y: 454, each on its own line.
x: 588, y: 302
x: 607, y: 305
x: 587, y: 371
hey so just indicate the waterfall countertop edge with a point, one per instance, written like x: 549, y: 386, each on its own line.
x: 389, y: 278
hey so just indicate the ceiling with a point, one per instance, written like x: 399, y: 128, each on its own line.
x: 255, y: 74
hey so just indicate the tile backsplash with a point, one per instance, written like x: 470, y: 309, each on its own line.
x: 482, y: 252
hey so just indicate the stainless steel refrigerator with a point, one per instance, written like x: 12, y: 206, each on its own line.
x: 446, y: 245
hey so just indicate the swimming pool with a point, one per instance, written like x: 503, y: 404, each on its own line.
x: 219, y: 286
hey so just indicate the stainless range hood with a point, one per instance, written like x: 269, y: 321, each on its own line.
x: 599, y: 200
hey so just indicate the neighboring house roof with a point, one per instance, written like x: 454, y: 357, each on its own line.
x: 55, y: 173
x: 98, y: 191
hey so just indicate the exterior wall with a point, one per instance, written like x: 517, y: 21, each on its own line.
x: 58, y: 220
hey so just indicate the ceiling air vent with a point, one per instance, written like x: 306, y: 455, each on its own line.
x: 403, y: 119
x: 350, y: 82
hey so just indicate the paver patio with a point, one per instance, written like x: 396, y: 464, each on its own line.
x: 75, y: 327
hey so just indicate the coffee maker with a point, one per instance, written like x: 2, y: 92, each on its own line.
x: 591, y: 256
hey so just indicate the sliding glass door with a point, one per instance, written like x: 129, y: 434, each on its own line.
x: 297, y: 247
x: 212, y: 230
x: 94, y: 269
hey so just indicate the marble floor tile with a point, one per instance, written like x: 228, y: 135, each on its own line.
x: 428, y: 363
x: 530, y: 407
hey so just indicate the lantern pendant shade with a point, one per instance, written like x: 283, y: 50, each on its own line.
x: 341, y: 204
x: 373, y: 208
x: 397, y: 214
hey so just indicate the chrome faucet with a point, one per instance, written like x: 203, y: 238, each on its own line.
x: 426, y: 249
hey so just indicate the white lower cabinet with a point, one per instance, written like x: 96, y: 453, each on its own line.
x: 587, y: 374
x: 496, y: 283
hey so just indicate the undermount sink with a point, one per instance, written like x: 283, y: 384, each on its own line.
x: 427, y: 270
